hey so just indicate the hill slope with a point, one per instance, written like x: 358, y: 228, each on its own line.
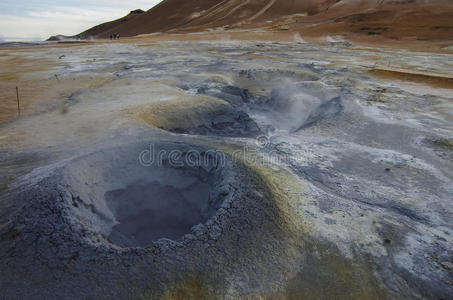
x: 390, y: 18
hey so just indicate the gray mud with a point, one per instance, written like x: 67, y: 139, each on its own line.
x: 225, y: 121
x: 346, y: 194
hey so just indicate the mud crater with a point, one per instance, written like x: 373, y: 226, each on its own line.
x: 135, y: 196
x: 292, y: 107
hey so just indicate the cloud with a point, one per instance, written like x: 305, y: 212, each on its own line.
x: 67, y: 20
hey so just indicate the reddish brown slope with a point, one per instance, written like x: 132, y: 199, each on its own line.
x: 105, y: 28
x: 164, y: 16
x: 394, y: 20
x: 390, y: 19
x: 191, y: 15
x: 241, y: 12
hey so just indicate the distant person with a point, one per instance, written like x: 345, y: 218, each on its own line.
x: 111, y: 36
x: 118, y: 36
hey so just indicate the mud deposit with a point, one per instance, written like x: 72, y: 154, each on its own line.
x: 134, y: 203
x: 227, y: 170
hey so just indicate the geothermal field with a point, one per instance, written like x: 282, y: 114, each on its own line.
x: 225, y: 170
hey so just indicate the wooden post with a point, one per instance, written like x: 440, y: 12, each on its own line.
x: 18, y: 101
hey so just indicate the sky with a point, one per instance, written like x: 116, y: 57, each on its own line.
x: 34, y: 20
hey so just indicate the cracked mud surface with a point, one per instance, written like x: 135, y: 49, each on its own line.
x: 329, y: 183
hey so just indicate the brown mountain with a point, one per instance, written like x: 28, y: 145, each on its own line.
x: 393, y: 19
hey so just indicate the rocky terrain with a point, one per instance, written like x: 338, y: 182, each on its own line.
x: 373, y: 21
x: 226, y: 170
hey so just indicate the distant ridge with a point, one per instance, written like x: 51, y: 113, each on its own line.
x: 392, y: 19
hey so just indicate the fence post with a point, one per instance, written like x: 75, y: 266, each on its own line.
x: 18, y: 101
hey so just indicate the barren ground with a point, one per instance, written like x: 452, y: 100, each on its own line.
x: 317, y: 170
